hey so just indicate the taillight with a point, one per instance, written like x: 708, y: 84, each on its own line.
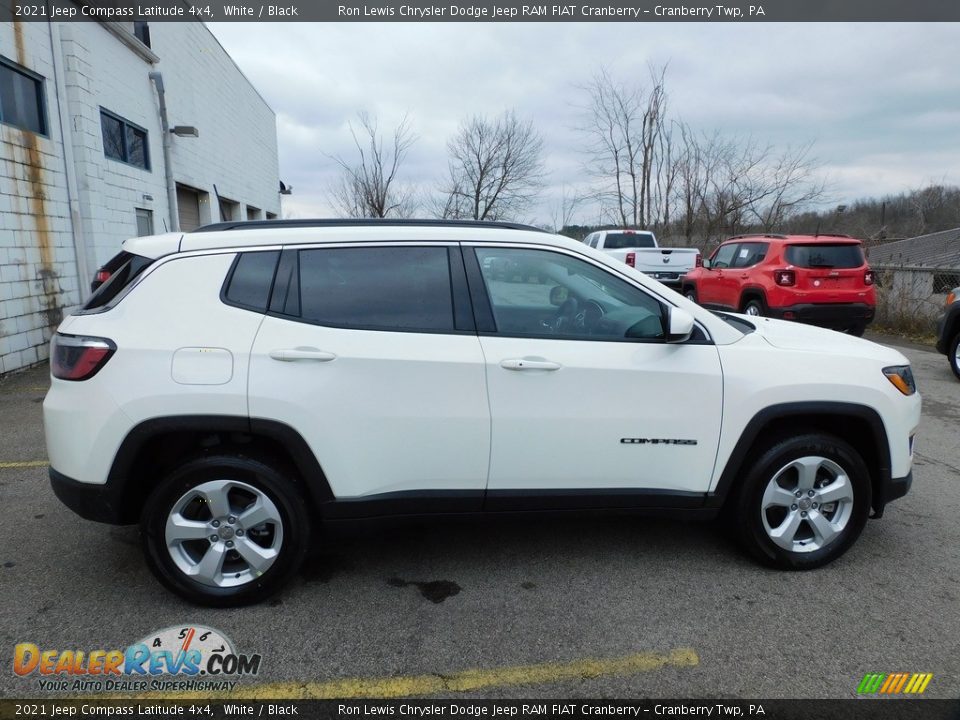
x: 951, y: 297
x: 785, y: 277
x: 77, y: 357
x: 102, y: 276
x: 699, y: 261
x: 631, y: 259
x: 868, y: 277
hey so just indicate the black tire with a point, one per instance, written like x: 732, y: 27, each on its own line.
x: 952, y: 355
x: 282, y: 488
x: 764, y: 467
x: 857, y: 330
x: 755, y: 304
x: 690, y: 293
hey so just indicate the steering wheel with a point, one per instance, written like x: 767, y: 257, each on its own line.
x: 566, y: 318
x: 589, y: 316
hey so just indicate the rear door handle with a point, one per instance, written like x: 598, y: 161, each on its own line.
x: 302, y: 353
x: 529, y: 364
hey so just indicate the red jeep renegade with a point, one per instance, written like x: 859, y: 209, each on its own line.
x: 823, y: 280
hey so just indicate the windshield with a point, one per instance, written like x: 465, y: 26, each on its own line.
x: 619, y: 241
x: 846, y: 255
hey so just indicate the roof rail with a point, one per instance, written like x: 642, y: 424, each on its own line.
x: 831, y: 234
x: 778, y: 236
x: 358, y: 222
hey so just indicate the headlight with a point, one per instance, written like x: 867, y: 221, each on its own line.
x: 902, y: 378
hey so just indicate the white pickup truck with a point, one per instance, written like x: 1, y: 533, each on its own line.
x: 639, y: 249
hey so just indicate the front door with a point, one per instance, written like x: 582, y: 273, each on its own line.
x: 586, y: 396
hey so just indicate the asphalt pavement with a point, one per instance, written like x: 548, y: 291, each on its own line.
x: 618, y: 607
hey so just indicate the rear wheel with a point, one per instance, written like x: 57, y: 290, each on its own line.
x: 857, y: 329
x: 954, y: 355
x: 225, y: 530
x: 754, y: 307
x: 804, y: 501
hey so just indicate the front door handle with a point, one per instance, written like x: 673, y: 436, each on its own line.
x: 529, y: 364
x: 302, y: 353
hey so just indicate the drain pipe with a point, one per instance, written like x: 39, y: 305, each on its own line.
x: 157, y: 80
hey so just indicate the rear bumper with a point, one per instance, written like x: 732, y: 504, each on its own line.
x: 831, y: 315
x: 101, y: 503
x: 670, y: 278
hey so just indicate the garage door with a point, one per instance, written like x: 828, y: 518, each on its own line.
x: 188, y: 205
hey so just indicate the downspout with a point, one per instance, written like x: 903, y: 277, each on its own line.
x: 157, y: 80
x: 69, y: 169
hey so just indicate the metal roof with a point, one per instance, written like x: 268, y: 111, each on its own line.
x: 936, y: 250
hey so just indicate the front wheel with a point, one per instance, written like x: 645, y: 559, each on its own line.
x: 225, y: 530
x: 690, y: 293
x: 804, y: 501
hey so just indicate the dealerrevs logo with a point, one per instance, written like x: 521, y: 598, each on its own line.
x: 176, y: 658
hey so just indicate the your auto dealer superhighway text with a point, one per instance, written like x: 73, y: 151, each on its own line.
x: 470, y: 710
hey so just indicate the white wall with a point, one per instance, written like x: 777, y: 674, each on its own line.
x: 93, y: 68
x: 38, y: 277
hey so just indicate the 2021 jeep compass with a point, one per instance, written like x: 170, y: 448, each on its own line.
x: 234, y: 388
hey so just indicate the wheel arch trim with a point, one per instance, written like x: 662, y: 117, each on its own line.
x: 763, y: 419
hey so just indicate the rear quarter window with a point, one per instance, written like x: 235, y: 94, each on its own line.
x: 250, y: 281
x: 827, y: 255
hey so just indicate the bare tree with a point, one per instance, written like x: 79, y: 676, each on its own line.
x: 369, y: 186
x: 563, y: 208
x: 625, y: 127
x: 495, y: 168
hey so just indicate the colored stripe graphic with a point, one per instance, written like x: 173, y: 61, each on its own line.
x: 894, y: 683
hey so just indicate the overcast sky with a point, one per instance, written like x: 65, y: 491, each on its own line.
x: 880, y: 102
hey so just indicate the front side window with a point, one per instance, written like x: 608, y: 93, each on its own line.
x: 124, y: 141
x: 541, y: 293
x: 21, y: 98
x: 382, y: 288
x: 723, y: 257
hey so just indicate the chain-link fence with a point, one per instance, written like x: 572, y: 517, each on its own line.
x: 911, y: 298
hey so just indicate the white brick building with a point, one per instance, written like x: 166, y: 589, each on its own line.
x: 82, y: 159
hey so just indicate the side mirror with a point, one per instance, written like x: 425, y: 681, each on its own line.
x: 706, y: 263
x: 680, y: 324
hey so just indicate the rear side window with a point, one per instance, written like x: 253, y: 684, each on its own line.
x: 382, y: 288
x: 124, y: 268
x: 619, y: 241
x: 250, y: 282
x: 825, y: 256
x: 749, y: 254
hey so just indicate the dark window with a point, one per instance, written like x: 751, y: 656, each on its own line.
x: 252, y: 279
x: 825, y: 256
x: 749, y: 254
x: 141, y: 31
x: 723, y: 256
x: 547, y: 294
x: 144, y: 222
x: 124, y: 269
x: 619, y: 241
x: 124, y: 141
x: 21, y: 98
x: 382, y: 288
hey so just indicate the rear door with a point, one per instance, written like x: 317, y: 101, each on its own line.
x: 370, y: 353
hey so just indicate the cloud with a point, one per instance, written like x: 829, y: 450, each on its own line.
x: 879, y: 101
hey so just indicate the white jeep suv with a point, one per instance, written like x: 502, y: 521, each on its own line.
x: 236, y: 387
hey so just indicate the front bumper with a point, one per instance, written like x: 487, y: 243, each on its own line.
x: 101, y: 503
x: 890, y: 489
x: 829, y: 315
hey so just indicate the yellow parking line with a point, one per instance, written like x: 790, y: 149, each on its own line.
x: 24, y: 464
x: 458, y: 682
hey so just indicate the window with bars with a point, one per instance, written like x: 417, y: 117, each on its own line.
x: 124, y: 141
